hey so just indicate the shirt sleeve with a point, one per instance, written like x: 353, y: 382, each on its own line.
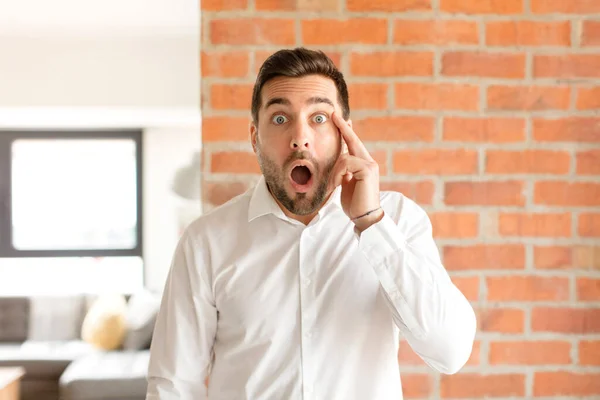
x: 181, y: 349
x: 436, y: 319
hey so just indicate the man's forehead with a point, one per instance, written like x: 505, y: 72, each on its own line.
x: 305, y: 90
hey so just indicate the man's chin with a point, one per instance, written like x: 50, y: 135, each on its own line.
x: 306, y: 203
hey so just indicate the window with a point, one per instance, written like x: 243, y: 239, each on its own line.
x: 70, y: 194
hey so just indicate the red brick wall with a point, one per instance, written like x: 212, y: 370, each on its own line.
x: 491, y: 124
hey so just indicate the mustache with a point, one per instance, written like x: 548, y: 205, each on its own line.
x: 300, y: 155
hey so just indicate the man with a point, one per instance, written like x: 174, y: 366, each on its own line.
x: 302, y: 287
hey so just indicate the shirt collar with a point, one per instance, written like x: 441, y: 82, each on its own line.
x: 263, y: 203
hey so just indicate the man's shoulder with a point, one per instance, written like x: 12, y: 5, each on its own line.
x: 229, y: 215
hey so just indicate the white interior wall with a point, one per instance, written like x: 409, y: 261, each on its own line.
x: 128, y: 71
x: 123, y: 64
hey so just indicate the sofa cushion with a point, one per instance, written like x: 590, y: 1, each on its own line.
x: 107, y: 375
x: 14, y: 319
x: 45, y: 360
x: 56, y: 317
x: 104, y: 325
x: 142, y: 310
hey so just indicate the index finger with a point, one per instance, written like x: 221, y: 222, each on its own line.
x: 355, y: 146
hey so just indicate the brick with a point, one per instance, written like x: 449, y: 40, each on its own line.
x: 230, y: 96
x: 484, y: 257
x: 565, y: 7
x: 388, y: 6
x: 530, y: 353
x: 586, y: 257
x: 455, y: 224
x: 225, y: 129
x: 416, y: 386
x: 566, y: 66
x: 570, y: 194
x: 225, y: 64
x: 435, y: 161
x: 391, y: 63
x: 347, y: 31
x: 368, y: 96
x: 435, y: 32
x: 468, y: 285
x: 564, y: 383
x: 588, y: 289
x: 552, y: 257
x: 484, y: 130
x: 588, y: 98
x: 577, y: 321
x: 234, y: 162
x: 223, y: 5
x: 421, y: 192
x: 252, y: 31
x: 471, y: 385
x: 297, y: 5
x: 528, y: 98
x: 437, y: 96
x: 482, y: 6
x: 528, y: 33
x: 501, y: 320
x: 571, y: 129
x: 527, y: 162
x: 564, y: 257
x: 395, y: 129
x: 492, y: 193
x: 535, y: 225
x: 407, y: 357
x: 591, y: 33
x: 589, y: 352
x: 261, y: 56
x: 217, y: 193
x: 482, y: 64
x: 527, y: 288
x: 588, y: 162
x: 589, y: 225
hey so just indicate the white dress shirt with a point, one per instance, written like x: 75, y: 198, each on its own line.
x: 270, y: 308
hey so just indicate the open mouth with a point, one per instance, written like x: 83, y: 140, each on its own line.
x: 301, y: 178
x: 301, y: 175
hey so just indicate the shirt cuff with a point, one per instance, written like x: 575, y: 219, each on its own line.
x: 381, y: 240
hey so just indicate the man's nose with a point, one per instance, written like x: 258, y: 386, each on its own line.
x: 301, y: 137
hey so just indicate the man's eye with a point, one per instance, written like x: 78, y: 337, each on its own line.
x: 320, y: 118
x: 279, y: 119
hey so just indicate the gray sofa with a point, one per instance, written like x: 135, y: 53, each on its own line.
x: 43, y: 335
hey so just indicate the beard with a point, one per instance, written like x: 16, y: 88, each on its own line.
x: 276, y: 180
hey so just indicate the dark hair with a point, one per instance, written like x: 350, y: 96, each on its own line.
x: 296, y: 63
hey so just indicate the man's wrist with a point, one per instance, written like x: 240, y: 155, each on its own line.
x: 365, y: 222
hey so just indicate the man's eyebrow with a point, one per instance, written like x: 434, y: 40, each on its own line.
x: 317, y: 100
x: 286, y: 102
x: 277, y: 100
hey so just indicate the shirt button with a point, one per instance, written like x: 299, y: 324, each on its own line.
x: 306, y: 282
x: 308, y: 334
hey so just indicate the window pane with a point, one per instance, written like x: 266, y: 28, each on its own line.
x: 59, y: 276
x: 74, y: 194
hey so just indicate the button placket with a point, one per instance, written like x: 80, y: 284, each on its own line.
x: 306, y: 273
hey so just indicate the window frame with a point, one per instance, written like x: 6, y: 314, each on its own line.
x: 7, y: 137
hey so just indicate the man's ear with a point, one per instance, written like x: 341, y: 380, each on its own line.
x: 350, y: 123
x: 253, y: 135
